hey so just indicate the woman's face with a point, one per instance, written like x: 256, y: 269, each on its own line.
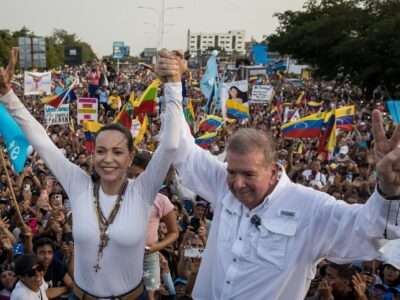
x: 8, y: 279
x: 390, y: 274
x: 111, y: 157
x: 233, y: 93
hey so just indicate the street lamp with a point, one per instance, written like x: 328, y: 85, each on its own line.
x: 161, y: 18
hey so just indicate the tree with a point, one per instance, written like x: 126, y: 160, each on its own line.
x: 355, y: 39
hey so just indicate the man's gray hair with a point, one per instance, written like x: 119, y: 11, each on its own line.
x: 247, y: 140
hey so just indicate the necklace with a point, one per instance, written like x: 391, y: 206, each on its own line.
x: 104, y: 222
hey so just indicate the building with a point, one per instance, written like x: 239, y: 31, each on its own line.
x: 234, y: 40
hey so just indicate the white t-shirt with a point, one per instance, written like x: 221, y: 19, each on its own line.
x: 22, y: 292
x: 122, y: 261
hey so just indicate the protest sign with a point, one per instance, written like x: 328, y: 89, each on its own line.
x: 262, y: 94
x: 55, y: 116
x: 37, y: 83
x: 87, y: 110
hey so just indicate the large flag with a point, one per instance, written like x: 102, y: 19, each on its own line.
x: 210, y: 123
x: 146, y: 103
x: 17, y: 144
x: 190, y: 116
x: 328, y: 141
x: 125, y: 116
x: 345, y: 117
x: 394, y: 109
x: 56, y: 100
x: 90, y: 129
x: 208, y: 82
x: 142, y: 131
x: 205, y: 140
x: 307, y: 127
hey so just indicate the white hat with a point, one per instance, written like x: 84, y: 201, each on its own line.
x: 344, y: 150
x: 391, y: 253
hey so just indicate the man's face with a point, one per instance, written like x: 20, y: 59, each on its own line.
x: 339, y: 285
x: 249, y: 178
x: 199, y: 211
x: 34, y: 280
x: 45, y: 254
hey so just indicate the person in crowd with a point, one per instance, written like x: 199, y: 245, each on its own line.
x: 162, y: 209
x: 31, y: 285
x: 267, y: 229
x: 110, y: 212
x: 58, y: 280
x: 8, y: 280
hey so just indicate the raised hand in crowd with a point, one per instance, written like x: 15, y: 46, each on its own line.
x: 387, y: 156
x: 359, y: 286
x: 325, y: 290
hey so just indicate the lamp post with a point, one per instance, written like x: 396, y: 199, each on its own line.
x: 160, y: 18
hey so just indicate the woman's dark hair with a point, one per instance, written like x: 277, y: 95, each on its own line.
x: 240, y: 94
x: 122, y: 129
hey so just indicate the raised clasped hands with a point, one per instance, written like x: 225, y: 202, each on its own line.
x: 387, y: 156
x: 170, y: 65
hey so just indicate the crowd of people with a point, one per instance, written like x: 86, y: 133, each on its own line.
x: 56, y: 253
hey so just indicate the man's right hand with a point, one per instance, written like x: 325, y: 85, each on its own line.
x: 170, y: 66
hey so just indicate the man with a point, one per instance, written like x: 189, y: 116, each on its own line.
x: 57, y: 278
x: 31, y: 285
x: 269, y: 233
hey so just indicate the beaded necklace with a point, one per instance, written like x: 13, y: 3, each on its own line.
x: 104, y: 222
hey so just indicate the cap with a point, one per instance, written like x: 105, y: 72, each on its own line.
x: 25, y: 263
x: 391, y: 253
x: 201, y: 203
x: 6, y: 267
x: 180, y: 281
x: 344, y: 150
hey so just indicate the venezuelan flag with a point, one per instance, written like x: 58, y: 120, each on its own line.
x: 345, y: 117
x: 90, y: 128
x: 315, y: 105
x: 328, y: 140
x: 307, y: 127
x: 210, y: 123
x: 205, y: 140
x: 274, y: 113
x: 56, y: 100
x: 146, y: 104
x: 236, y: 110
x: 300, y: 98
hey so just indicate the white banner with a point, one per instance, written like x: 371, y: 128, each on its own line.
x: 262, y: 94
x: 37, y: 83
x: 87, y: 110
x: 58, y: 116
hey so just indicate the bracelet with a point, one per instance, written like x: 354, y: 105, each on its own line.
x: 386, y: 197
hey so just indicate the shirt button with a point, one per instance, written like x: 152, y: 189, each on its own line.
x: 228, y: 282
x: 234, y: 260
x: 247, y: 215
x: 240, y: 238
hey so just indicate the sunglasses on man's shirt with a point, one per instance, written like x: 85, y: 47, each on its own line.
x: 38, y: 268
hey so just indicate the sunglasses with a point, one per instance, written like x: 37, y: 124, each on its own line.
x: 38, y: 268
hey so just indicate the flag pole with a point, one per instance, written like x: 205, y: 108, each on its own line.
x: 21, y: 219
x: 62, y: 101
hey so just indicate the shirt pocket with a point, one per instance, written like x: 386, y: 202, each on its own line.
x: 272, y: 243
x: 225, y: 230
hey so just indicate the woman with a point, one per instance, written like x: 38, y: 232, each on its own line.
x: 110, y: 214
x: 7, y: 280
x: 236, y: 94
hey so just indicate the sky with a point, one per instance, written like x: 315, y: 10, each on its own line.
x: 100, y: 22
